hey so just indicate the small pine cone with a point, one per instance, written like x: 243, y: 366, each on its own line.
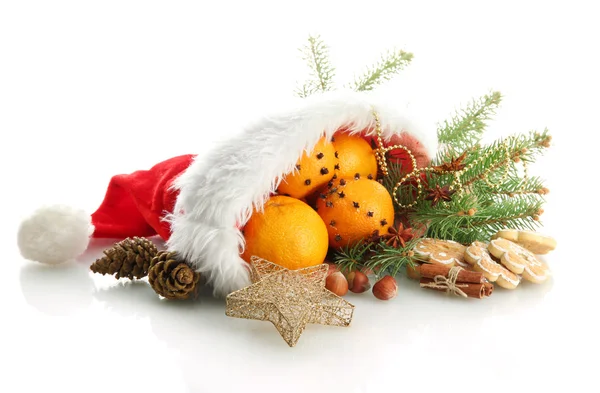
x: 129, y: 258
x: 172, y: 278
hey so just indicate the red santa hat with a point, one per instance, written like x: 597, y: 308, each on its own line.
x: 198, y: 205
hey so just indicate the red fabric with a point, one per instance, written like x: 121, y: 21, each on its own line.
x: 135, y: 203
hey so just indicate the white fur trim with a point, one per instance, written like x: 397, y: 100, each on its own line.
x: 219, y: 190
x: 55, y: 234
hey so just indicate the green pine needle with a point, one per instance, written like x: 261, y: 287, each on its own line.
x: 350, y: 258
x: 449, y: 220
x: 390, y: 64
x: 379, y: 258
x: 525, y: 147
x: 390, y: 260
x: 316, y: 54
x: 466, y: 127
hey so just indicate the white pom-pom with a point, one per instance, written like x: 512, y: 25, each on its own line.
x: 55, y: 234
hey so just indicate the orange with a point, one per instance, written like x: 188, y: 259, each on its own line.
x: 353, y: 209
x: 355, y: 155
x: 287, y: 232
x: 312, y: 172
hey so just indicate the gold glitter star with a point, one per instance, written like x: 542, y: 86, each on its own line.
x: 290, y: 299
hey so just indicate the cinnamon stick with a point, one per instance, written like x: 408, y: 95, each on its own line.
x: 413, y: 272
x: 429, y: 270
x: 488, y: 288
x: 476, y: 291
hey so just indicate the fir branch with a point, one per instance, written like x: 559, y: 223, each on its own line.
x: 405, y: 191
x: 350, y: 258
x: 316, y: 54
x: 307, y: 89
x: 514, y: 185
x: 493, y: 158
x: 466, y: 127
x: 389, y: 260
x: 391, y: 63
x: 379, y: 258
x: 449, y: 221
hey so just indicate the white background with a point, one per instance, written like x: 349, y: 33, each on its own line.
x: 89, y: 89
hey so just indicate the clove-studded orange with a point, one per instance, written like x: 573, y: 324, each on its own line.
x: 288, y: 232
x: 355, y: 156
x: 353, y: 209
x: 312, y: 171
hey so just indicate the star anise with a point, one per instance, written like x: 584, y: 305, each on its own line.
x: 455, y: 164
x: 395, y: 237
x: 398, y: 236
x: 439, y: 194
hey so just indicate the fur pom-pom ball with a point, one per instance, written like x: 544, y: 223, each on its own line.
x: 55, y: 234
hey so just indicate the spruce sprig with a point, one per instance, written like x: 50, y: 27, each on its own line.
x: 520, y: 148
x: 389, y: 260
x: 466, y: 127
x: 390, y: 64
x: 352, y: 257
x: 513, y: 185
x: 449, y: 220
x: 380, y: 258
x: 405, y: 191
x: 316, y: 54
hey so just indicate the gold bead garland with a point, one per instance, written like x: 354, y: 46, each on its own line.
x: 415, y: 174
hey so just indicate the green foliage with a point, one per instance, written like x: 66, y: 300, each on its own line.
x: 395, y: 174
x: 492, y: 161
x: 354, y: 257
x: 390, y: 64
x: 377, y: 257
x: 451, y: 220
x: 466, y: 127
x: 492, y: 187
x: 390, y: 260
x: 316, y: 55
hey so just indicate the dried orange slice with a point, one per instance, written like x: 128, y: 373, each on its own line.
x: 519, y: 260
x: 441, y: 252
x: 532, y: 241
x: 477, y: 254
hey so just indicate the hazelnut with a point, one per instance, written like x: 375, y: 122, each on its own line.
x: 337, y: 283
x: 386, y: 288
x: 332, y: 268
x: 358, y: 282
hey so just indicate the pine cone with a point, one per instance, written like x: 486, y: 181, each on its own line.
x: 172, y: 278
x: 129, y: 258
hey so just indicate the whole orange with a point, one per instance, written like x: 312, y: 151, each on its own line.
x: 353, y: 209
x: 312, y: 172
x: 355, y: 155
x: 287, y: 232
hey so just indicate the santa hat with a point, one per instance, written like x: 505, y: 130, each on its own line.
x: 199, y: 204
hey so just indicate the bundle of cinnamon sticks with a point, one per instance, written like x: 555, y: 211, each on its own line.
x: 472, y: 284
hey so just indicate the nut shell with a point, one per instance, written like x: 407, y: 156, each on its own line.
x: 386, y: 288
x: 358, y: 282
x: 337, y: 283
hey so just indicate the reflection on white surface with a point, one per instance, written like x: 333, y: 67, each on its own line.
x: 200, y: 348
x: 56, y: 290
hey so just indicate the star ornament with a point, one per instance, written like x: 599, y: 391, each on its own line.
x: 289, y: 299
